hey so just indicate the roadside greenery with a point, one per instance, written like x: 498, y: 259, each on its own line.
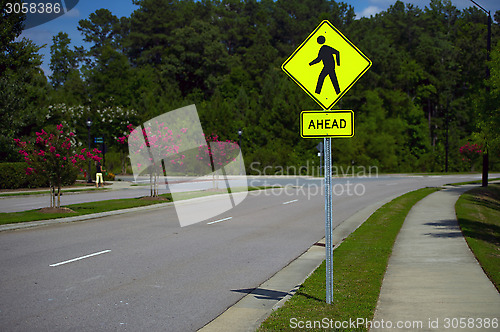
x: 52, y: 155
x: 359, y: 265
x: 427, y: 81
x: 478, y: 213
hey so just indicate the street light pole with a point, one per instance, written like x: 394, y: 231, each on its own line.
x: 240, y: 132
x: 484, y: 182
x: 89, y: 177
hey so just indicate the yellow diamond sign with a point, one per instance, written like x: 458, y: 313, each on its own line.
x: 326, y: 65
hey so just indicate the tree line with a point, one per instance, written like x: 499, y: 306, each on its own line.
x: 425, y: 96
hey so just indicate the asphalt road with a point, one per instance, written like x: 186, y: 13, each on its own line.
x: 30, y: 202
x: 141, y: 271
x: 38, y: 201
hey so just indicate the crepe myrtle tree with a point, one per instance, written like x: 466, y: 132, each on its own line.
x: 217, y: 154
x: 53, y: 155
x: 163, y: 143
x: 471, y: 154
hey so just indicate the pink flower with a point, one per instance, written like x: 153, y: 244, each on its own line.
x: 52, y: 149
x: 71, y: 134
x: 59, y: 126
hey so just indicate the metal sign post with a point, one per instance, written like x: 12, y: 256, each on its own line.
x: 328, y: 220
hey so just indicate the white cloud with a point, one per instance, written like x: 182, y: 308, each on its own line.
x: 73, y: 13
x: 369, y: 11
x: 39, y: 36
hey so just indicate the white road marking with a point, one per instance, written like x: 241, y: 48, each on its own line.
x: 214, y: 222
x: 79, y: 258
x: 295, y: 200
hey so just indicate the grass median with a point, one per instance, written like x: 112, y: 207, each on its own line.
x: 79, y: 210
x: 478, y: 213
x: 105, y: 206
x: 472, y: 182
x: 359, y: 265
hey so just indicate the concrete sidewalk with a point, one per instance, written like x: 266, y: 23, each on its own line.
x: 433, y: 281
x: 109, y: 185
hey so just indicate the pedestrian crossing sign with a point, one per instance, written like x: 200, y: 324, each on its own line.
x: 326, y: 65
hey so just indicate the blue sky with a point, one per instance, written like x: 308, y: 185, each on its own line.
x: 67, y: 23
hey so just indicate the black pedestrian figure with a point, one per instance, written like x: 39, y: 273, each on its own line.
x: 325, y: 54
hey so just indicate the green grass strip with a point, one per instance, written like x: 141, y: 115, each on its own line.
x: 359, y: 265
x: 80, y: 209
x: 107, y: 205
x: 478, y: 213
x: 471, y: 182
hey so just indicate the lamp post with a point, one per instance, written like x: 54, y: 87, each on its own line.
x: 484, y: 182
x: 240, y: 132
x: 89, y: 177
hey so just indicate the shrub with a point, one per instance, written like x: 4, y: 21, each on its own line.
x: 13, y: 176
x: 109, y: 176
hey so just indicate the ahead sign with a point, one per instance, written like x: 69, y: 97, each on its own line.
x: 317, y: 124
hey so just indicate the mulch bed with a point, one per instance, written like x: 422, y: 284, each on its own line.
x: 149, y: 198
x: 56, y: 210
